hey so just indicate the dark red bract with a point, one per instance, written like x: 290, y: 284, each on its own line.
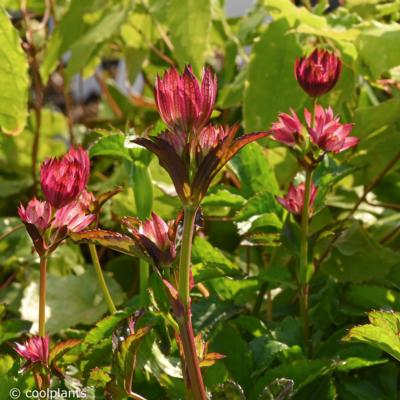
x: 193, y: 165
x: 318, y: 73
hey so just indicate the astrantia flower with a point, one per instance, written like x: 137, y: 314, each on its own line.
x: 184, y: 104
x: 37, y: 213
x: 327, y: 132
x: 63, y: 179
x: 288, y: 129
x: 86, y: 199
x: 318, y: 73
x: 34, y: 350
x: 72, y: 217
x: 192, y: 166
x: 294, y: 200
x: 155, y: 237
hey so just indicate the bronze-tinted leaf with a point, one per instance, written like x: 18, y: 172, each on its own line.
x: 38, y: 242
x: 171, y: 161
x: 112, y: 240
x: 61, y: 348
x: 242, y: 141
x: 103, y: 197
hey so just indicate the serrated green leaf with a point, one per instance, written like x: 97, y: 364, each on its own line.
x: 112, y: 145
x: 189, y: 24
x: 271, y: 86
x: 380, y: 38
x: 14, y: 79
x: 209, y: 262
x: 71, y: 300
x: 356, y: 257
x: 13, y: 328
x: 71, y: 27
x: 382, y: 332
x: 255, y: 172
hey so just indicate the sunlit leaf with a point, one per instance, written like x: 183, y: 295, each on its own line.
x: 14, y: 79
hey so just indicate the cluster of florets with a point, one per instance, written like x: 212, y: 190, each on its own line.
x: 65, y: 209
x: 321, y: 132
x: 192, y: 150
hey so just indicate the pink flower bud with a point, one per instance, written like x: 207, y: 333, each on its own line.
x: 294, y: 200
x: 327, y: 132
x: 184, y: 104
x: 37, y: 213
x: 34, y: 350
x: 288, y: 130
x: 318, y: 73
x: 63, y: 179
x: 86, y: 199
x: 210, y: 137
x: 73, y: 217
x: 155, y: 237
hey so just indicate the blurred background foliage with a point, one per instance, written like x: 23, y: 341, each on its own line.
x: 83, y: 72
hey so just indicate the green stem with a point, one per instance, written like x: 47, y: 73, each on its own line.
x: 303, y: 269
x: 144, y: 281
x: 42, y: 295
x: 196, y: 385
x: 100, y: 277
x: 186, y: 254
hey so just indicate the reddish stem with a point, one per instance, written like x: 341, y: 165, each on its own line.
x: 192, y: 363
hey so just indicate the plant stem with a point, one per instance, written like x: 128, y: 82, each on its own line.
x: 186, y: 254
x: 144, y: 281
x: 42, y: 295
x: 102, y: 281
x: 303, y: 269
x: 196, y: 388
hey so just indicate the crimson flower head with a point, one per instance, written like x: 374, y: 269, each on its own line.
x: 288, y: 129
x: 155, y: 237
x: 37, y: 213
x: 318, y: 73
x: 185, y: 104
x: 34, y: 350
x: 63, y: 179
x: 294, y: 199
x: 327, y: 132
x: 72, y: 218
x: 193, y: 162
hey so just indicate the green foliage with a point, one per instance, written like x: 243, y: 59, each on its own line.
x: 189, y: 25
x: 382, y: 332
x: 14, y: 79
x: 271, y: 72
x: 246, y: 249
